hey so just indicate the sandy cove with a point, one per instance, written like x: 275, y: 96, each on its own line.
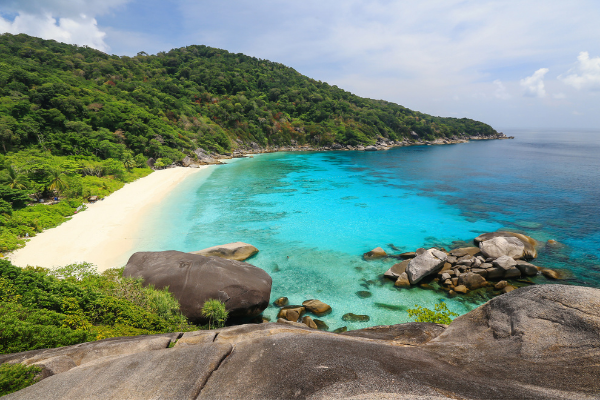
x: 104, y: 234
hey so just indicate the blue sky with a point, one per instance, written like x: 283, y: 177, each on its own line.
x: 514, y: 64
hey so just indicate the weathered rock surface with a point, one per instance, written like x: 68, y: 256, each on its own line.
x: 471, y: 281
x: 504, y: 262
x: 502, y: 246
x: 425, y: 263
x: 193, y: 279
x: 539, y: 342
x: 239, y: 251
x: 412, y: 333
x: 402, y: 280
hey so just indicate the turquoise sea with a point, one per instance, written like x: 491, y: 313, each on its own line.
x: 324, y: 210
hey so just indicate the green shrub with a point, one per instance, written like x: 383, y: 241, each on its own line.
x: 216, y: 313
x: 15, y: 377
x: 441, y: 315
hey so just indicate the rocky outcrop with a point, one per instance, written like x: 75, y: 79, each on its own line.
x: 239, y: 251
x: 502, y: 246
x: 529, y: 243
x: 425, y: 263
x: 193, y: 279
x: 539, y: 342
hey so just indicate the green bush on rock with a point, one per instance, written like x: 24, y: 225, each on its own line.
x: 216, y: 313
x: 15, y: 377
x: 441, y: 315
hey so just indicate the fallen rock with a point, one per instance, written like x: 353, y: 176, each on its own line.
x: 317, y: 307
x: 351, y: 317
x: 408, y: 255
x: 513, y: 272
x: 424, y: 264
x: 375, y: 254
x: 321, y: 325
x: 508, y: 288
x: 308, y: 321
x: 471, y: 281
x: 396, y: 270
x: 341, y: 329
x: 193, y: 279
x: 231, y: 251
x: 502, y: 246
x: 464, y: 251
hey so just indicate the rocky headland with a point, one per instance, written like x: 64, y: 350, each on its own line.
x: 537, y: 342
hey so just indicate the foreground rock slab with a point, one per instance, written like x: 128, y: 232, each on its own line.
x: 238, y: 251
x: 539, y: 342
x: 193, y: 279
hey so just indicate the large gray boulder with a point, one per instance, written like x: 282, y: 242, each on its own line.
x: 426, y: 263
x: 238, y: 251
x: 502, y: 246
x: 529, y: 253
x: 539, y: 342
x: 193, y: 279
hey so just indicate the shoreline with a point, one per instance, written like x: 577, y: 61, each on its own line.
x: 103, y: 234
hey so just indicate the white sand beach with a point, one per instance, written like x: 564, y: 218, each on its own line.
x: 104, y: 233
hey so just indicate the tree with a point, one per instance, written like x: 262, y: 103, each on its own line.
x: 216, y: 313
x: 13, y: 178
x: 57, y: 184
x: 128, y: 162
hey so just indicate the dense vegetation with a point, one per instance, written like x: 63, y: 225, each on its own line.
x: 39, y: 310
x: 76, y: 122
x: 15, y: 377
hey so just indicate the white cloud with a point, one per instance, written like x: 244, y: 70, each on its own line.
x: 501, y: 92
x: 586, y: 74
x: 559, y: 96
x: 70, y: 21
x: 534, y: 84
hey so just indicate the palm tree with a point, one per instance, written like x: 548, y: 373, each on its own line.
x: 13, y: 178
x: 57, y: 184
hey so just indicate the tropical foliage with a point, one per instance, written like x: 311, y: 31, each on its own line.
x: 43, y: 309
x: 441, y: 315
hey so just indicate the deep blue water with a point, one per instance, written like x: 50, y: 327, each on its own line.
x: 324, y: 210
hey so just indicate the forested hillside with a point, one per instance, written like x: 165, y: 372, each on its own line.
x: 79, y: 101
x: 75, y: 122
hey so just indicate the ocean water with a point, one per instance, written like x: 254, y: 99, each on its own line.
x: 312, y: 215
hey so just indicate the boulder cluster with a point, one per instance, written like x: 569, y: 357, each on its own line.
x: 497, y: 257
x: 295, y: 313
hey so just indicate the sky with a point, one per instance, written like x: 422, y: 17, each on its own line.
x: 515, y: 64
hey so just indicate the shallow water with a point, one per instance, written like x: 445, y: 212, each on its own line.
x: 324, y: 210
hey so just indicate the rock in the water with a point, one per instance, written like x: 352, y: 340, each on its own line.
x: 292, y: 315
x: 408, y: 255
x: 364, y: 294
x: 341, y: 329
x: 504, y: 262
x: 513, y: 272
x: 374, y: 254
x: 529, y: 243
x: 402, y: 280
x: 193, y: 279
x: 471, y: 281
x: 231, y: 251
x: 508, y: 288
x: 500, y: 285
x: 502, y: 246
x: 308, y: 321
x: 351, y: 317
x: 281, y: 302
x: 317, y: 307
x: 396, y: 270
x: 495, y: 273
x: 527, y: 269
x: 460, y: 289
x: 300, y: 310
x: 550, y: 273
x: 424, y: 264
x: 321, y: 325
x: 464, y: 251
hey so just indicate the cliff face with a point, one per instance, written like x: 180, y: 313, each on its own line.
x: 535, y: 342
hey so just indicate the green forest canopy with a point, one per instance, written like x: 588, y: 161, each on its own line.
x: 78, y: 101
